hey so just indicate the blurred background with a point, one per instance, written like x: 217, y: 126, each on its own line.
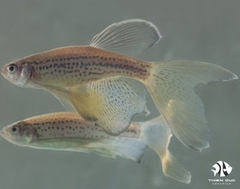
x: 200, y: 30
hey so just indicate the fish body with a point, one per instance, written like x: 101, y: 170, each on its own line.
x: 69, y: 132
x: 64, y: 131
x: 96, y: 81
x: 76, y: 65
x: 71, y: 125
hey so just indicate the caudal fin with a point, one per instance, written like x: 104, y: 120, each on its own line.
x: 156, y: 134
x: 171, y: 85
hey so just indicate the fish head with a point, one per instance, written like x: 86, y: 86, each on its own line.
x: 19, y: 133
x: 17, y: 72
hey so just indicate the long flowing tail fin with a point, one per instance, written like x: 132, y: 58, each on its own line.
x: 171, y: 85
x: 156, y: 134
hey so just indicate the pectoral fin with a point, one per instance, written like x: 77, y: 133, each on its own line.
x: 62, y: 94
x: 74, y: 99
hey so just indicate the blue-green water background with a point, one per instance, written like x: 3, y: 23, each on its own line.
x: 204, y: 30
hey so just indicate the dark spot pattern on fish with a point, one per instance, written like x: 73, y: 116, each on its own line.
x: 89, y: 66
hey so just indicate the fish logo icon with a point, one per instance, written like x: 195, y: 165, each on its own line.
x: 221, y: 168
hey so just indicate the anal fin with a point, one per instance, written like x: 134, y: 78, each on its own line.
x: 111, y: 103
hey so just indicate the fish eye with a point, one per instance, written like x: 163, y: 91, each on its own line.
x: 12, y: 68
x: 14, y: 129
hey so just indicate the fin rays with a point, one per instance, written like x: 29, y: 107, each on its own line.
x: 157, y: 136
x: 129, y: 37
x: 111, y: 102
x: 172, y: 87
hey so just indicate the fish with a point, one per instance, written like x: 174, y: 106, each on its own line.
x: 221, y: 168
x: 96, y: 81
x: 68, y: 131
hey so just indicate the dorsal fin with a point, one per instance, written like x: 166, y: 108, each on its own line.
x: 129, y: 37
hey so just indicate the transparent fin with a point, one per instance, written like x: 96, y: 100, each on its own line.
x: 63, y: 100
x: 61, y: 94
x: 171, y: 85
x: 129, y: 37
x: 74, y: 99
x: 111, y: 103
x: 129, y: 148
x: 174, y: 169
x: 157, y: 135
x: 112, y: 147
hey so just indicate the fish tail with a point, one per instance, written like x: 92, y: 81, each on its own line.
x: 156, y: 134
x: 171, y: 85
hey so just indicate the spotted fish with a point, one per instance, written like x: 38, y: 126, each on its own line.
x: 96, y: 80
x: 69, y: 132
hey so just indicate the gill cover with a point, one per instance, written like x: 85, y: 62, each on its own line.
x: 25, y: 74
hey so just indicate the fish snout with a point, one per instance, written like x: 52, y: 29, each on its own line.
x: 1, y: 71
x: 2, y: 133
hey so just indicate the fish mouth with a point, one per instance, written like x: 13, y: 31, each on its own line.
x: 2, y: 133
x: 1, y: 71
